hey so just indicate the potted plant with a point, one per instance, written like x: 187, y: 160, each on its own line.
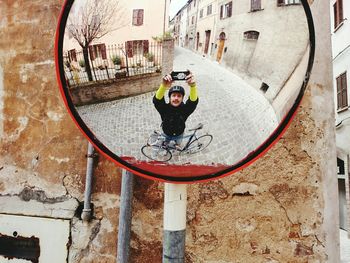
x: 82, y: 64
x: 117, y: 61
x: 150, y: 59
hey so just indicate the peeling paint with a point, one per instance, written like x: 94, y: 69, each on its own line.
x: 59, y: 160
x: 55, y: 116
x: 1, y: 102
x: 23, y: 122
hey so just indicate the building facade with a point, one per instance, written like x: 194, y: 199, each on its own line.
x: 135, y: 26
x: 206, y: 30
x: 251, y: 39
x: 191, y: 27
x: 180, y: 26
x: 340, y: 31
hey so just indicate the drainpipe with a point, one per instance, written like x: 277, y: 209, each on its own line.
x: 174, y: 235
x: 125, y: 213
x: 165, y: 16
x: 86, y: 214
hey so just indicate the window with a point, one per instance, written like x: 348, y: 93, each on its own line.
x: 338, y: 13
x: 137, y: 17
x: 255, y: 5
x: 342, y: 94
x: 341, y: 166
x: 264, y: 87
x: 201, y: 13
x: 226, y: 10
x: 192, y: 20
x: 72, y: 55
x: 136, y: 47
x: 209, y: 10
x: 287, y: 2
x: 252, y: 35
x: 97, y: 51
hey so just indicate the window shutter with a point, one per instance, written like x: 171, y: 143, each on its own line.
x: 344, y: 90
x: 140, y: 17
x: 72, y: 55
x: 129, y: 49
x: 103, y: 51
x: 229, y: 13
x: 209, y: 9
x: 134, y: 17
x: 145, y: 46
x: 91, y: 52
x: 342, y: 93
x: 280, y: 2
x: 340, y: 12
x: 256, y: 5
x: 221, y: 12
x: 339, y: 97
x: 335, y: 12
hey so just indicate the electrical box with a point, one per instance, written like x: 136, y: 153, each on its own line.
x: 33, y: 239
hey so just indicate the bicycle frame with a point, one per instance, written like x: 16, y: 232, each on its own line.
x: 161, y: 143
x: 189, y: 141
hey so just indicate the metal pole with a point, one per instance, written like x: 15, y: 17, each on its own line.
x: 86, y: 214
x: 125, y: 213
x: 174, y: 236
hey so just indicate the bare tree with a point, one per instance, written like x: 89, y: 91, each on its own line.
x: 93, y: 20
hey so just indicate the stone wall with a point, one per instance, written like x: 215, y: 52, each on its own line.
x: 116, y: 89
x: 280, y: 209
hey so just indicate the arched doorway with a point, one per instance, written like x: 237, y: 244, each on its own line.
x: 197, y: 45
x: 222, y: 38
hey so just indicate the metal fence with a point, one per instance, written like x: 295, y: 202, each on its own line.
x: 113, y: 62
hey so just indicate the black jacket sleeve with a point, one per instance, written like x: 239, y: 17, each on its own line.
x: 190, y: 106
x: 159, y: 104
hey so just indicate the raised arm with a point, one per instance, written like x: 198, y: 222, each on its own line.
x: 167, y: 80
x: 193, y: 87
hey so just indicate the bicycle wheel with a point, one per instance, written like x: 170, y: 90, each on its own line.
x: 156, y: 153
x: 199, y: 144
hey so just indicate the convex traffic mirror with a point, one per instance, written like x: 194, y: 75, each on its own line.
x: 185, y: 92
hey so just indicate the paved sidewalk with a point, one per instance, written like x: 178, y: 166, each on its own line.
x: 238, y: 117
x: 344, y: 247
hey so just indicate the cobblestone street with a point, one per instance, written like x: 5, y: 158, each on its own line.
x: 238, y: 117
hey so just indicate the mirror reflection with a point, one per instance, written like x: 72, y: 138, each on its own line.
x: 184, y: 82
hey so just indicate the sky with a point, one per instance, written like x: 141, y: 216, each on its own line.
x: 175, y: 6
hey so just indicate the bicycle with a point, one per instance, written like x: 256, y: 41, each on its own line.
x: 160, y: 149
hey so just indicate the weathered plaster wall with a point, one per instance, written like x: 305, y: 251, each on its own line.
x: 280, y: 209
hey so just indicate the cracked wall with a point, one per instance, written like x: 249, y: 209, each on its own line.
x: 280, y: 209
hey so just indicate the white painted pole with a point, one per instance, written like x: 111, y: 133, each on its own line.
x: 175, y: 205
